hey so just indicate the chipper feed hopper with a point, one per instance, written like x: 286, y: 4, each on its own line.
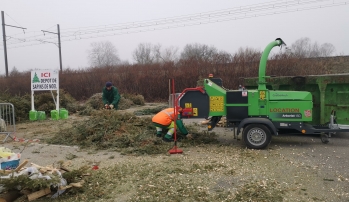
x: 258, y: 113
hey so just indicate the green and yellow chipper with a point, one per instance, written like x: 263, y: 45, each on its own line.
x: 258, y: 113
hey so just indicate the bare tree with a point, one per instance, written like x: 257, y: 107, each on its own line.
x: 156, y: 52
x: 305, y: 49
x: 147, y: 53
x: 247, y: 54
x: 223, y: 57
x: 15, y: 72
x: 315, y: 50
x: 327, y: 49
x: 300, y: 48
x: 167, y: 55
x: 198, y: 52
x: 102, y: 54
x: 144, y: 54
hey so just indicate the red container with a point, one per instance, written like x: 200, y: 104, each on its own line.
x: 187, y: 112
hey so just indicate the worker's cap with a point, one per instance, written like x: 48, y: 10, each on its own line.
x: 108, y: 84
x: 210, y: 75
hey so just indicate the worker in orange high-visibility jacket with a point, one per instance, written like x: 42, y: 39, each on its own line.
x: 165, y: 120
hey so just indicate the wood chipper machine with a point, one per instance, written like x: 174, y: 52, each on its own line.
x: 258, y: 113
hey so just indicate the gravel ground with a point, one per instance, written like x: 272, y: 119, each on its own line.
x: 308, y: 169
x: 319, y: 170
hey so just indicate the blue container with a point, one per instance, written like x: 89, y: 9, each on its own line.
x: 10, y: 165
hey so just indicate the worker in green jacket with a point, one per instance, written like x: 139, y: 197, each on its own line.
x: 111, y: 96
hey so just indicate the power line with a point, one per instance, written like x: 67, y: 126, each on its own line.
x: 192, y: 17
x: 50, y: 27
x: 251, y: 8
x: 178, y: 19
x: 5, y: 38
x: 237, y: 13
x: 222, y: 10
x: 13, y: 20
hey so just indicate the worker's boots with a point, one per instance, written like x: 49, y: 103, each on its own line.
x: 168, y: 138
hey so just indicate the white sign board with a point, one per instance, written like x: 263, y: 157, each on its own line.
x: 44, y: 80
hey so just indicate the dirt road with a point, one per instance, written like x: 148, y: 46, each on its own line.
x: 321, y: 169
x: 301, y: 167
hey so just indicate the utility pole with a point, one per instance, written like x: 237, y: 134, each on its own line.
x: 59, y: 44
x: 59, y: 47
x: 4, y: 39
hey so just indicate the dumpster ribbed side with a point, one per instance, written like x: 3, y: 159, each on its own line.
x: 330, y: 92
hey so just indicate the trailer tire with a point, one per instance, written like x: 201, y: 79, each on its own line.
x: 256, y: 136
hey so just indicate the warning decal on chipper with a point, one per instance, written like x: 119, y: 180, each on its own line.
x: 216, y: 103
x: 307, y: 113
x: 262, y: 95
x: 187, y: 105
x: 195, y: 111
x: 285, y: 115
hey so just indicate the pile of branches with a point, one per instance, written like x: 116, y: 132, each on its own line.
x: 37, y: 181
x: 123, y: 132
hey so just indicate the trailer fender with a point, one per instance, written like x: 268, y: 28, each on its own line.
x: 263, y: 121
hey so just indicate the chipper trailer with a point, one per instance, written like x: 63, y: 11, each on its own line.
x: 258, y: 113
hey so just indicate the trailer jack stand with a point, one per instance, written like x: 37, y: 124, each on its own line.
x: 324, y: 138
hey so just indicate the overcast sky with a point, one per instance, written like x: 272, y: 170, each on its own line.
x: 323, y: 25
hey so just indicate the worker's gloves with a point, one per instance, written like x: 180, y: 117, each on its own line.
x: 111, y: 106
x: 189, y: 136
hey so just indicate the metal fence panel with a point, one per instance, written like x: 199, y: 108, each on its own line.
x: 7, y: 120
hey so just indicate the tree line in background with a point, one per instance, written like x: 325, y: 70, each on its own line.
x: 155, y: 66
x: 104, y: 53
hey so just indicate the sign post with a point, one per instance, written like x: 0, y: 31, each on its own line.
x: 44, y: 80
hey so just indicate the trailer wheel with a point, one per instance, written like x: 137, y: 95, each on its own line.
x: 256, y: 136
x: 324, y: 138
